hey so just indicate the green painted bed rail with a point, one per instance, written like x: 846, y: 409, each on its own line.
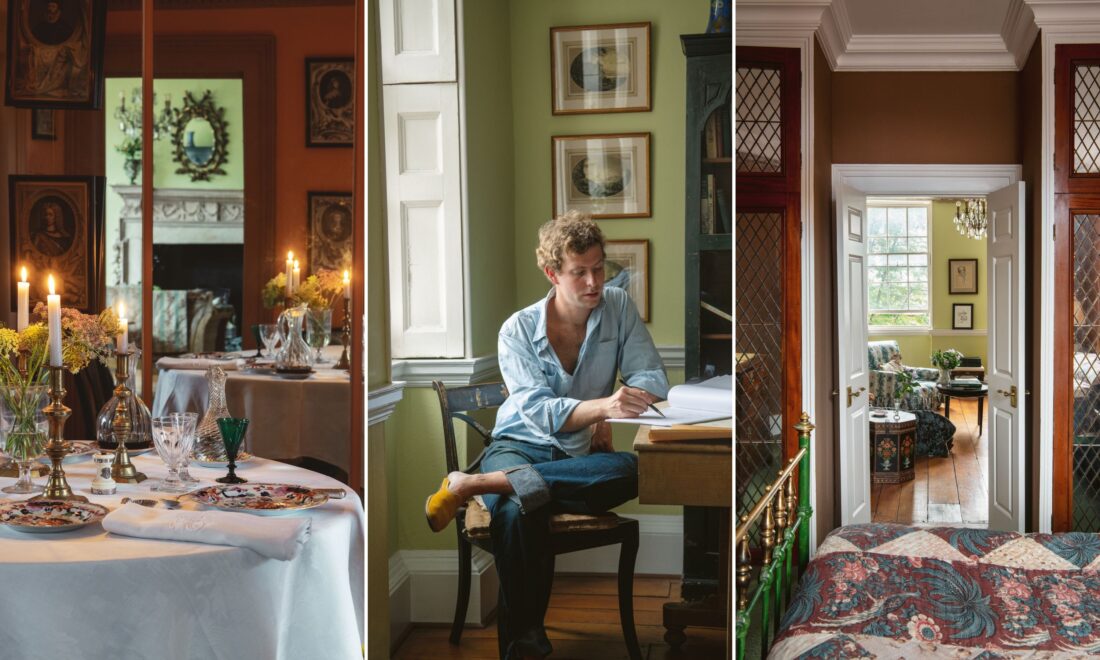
x: 784, y: 519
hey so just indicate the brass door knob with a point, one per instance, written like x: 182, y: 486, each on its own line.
x: 1010, y: 393
x: 854, y: 394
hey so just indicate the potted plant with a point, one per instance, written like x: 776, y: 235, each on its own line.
x: 945, y: 361
x: 904, y: 385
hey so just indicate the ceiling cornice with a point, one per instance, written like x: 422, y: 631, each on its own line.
x: 1066, y: 15
x: 846, y: 51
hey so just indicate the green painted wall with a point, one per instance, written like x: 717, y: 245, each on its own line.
x: 947, y: 244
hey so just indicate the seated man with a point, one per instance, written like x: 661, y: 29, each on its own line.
x: 551, y: 450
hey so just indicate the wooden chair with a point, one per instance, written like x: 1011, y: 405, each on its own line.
x: 568, y: 532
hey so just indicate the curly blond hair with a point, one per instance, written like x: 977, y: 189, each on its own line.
x: 573, y: 231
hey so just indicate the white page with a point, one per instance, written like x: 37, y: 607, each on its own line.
x: 672, y: 416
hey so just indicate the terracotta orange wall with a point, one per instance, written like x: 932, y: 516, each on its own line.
x: 925, y: 117
x: 299, y: 32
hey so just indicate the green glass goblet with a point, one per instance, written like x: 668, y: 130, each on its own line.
x: 233, y: 429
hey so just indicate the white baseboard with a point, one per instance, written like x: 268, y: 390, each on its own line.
x: 424, y: 583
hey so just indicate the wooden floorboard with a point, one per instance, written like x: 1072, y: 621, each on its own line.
x: 952, y: 490
x: 582, y: 623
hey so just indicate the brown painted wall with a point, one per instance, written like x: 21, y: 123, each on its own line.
x: 1031, y: 144
x: 925, y: 117
x: 824, y: 352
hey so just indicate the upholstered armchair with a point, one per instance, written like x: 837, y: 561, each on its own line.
x: 883, y: 379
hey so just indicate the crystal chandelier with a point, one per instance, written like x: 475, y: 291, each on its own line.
x: 970, y: 220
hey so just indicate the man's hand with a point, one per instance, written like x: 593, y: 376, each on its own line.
x: 626, y: 402
x: 601, y: 438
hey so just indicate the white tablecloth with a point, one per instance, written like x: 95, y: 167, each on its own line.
x: 290, y: 418
x: 90, y: 594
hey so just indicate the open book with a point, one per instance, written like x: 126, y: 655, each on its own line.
x: 692, y: 403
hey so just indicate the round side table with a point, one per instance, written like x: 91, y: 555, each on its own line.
x: 892, y: 446
x: 979, y: 393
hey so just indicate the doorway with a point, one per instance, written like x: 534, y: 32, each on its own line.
x: 1003, y: 277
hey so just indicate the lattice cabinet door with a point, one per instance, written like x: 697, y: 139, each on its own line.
x: 1077, y: 118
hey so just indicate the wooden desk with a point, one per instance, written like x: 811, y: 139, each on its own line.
x: 693, y: 473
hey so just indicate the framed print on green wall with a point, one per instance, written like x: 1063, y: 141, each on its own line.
x: 600, y: 68
x: 962, y: 276
x: 605, y: 176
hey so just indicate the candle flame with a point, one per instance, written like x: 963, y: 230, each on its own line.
x: 290, y: 255
x: 23, y: 272
x: 50, y: 284
x: 121, y: 309
x: 295, y: 264
x: 347, y: 279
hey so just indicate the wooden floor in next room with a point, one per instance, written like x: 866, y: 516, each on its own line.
x: 951, y: 490
x: 583, y: 624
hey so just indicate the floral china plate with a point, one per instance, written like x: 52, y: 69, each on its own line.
x: 260, y: 499
x: 47, y: 516
x: 81, y: 450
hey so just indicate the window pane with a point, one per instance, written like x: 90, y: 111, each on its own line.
x: 918, y: 296
x: 918, y: 260
x: 895, y: 274
x: 876, y: 260
x: 880, y: 245
x: 918, y: 245
x: 898, y: 260
x: 874, y: 275
x: 894, y: 296
x: 918, y: 221
x: 895, y: 221
x: 874, y: 298
x: 899, y: 244
x: 919, y: 274
x: 876, y: 225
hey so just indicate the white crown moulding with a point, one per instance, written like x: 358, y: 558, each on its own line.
x: 845, y: 51
x: 1066, y: 15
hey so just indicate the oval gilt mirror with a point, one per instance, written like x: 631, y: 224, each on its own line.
x: 200, y: 138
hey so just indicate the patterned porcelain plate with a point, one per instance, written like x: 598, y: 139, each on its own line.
x: 46, y: 516
x: 261, y: 499
x: 82, y: 450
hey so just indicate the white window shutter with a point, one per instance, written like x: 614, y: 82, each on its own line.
x: 424, y: 220
x: 417, y: 39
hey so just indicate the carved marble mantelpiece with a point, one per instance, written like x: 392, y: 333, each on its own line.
x: 180, y: 216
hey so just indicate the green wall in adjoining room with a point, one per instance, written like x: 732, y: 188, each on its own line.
x: 914, y: 348
x: 534, y: 124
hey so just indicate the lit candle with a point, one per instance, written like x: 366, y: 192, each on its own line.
x: 347, y: 286
x: 24, y: 294
x: 53, y: 319
x: 289, y: 273
x: 297, y: 276
x: 123, y: 335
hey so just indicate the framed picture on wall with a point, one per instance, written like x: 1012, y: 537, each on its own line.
x: 606, y: 176
x: 600, y: 68
x: 57, y: 228
x: 962, y: 316
x: 626, y: 266
x: 55, y: 53
x: 330, y: 231
x: 962, y: 276
x: 330, y: 101
x: 42, y: 124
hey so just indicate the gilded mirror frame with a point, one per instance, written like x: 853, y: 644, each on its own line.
x: 204, y: 108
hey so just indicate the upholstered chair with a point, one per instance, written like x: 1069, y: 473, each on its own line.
x: 884, y: 361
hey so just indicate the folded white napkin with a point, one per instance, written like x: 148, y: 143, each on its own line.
x: 278, y: 538
x: 195, y: 363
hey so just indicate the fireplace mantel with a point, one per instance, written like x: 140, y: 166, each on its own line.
x: 180, y: 216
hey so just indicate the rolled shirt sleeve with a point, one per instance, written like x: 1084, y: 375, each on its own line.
x: 639, y: 362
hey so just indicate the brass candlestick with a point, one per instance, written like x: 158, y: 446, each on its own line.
x: 57, y: 488
x: 345, y: 337
x: 123, y: 470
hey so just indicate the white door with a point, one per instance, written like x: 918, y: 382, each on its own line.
x: 855, y: 448
x: 1005, y: 428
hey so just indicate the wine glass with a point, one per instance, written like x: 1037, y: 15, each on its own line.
x: 186, y: 423
x: 269, y: 335
x: 233, y: 430
x: 172, y: 445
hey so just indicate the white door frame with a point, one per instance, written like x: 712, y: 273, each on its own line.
x: 926, y: 181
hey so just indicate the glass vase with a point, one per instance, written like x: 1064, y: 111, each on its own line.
x: 25, y: 429
x: 295, y: 353
x: 318, y: 330
x: 945, y: 376
x: 141, y: 433
x: 209, y: 447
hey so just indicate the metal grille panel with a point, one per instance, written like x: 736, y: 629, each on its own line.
x: 759, y: 354
x: 1086, y: 120
x: 1086, y: 377
x: 759, y: 121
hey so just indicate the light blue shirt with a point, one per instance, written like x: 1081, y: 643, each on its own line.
x: 542, y: 395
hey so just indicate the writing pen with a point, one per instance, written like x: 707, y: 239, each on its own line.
x: 651, y: 406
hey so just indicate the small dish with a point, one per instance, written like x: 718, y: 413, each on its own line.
x: 242, y: 457
x: 259, y: 499
x: 49, y: 516
x: 294, y: 373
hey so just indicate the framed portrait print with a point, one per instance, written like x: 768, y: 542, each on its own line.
x: 55, y: 53
x: 962, y: 316
x: 57, y: 228
x: 962, y: 276
x: 330, y: 230
x: 330, y: 101
x: 606, y: 176
x: 42, y: 124
x: 626, y: 265
x: 600, y: 68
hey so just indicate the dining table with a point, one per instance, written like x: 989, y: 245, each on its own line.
x: 289, y: 418
x: 93, y: 594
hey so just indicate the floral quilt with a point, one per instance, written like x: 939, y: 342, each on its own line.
x: 890, y: 591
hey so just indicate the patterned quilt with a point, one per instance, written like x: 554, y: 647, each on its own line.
x: 890, y: 591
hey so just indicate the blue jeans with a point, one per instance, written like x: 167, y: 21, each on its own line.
x: 546, y: 481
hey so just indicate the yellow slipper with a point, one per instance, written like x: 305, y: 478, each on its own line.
x: 441, y: 507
